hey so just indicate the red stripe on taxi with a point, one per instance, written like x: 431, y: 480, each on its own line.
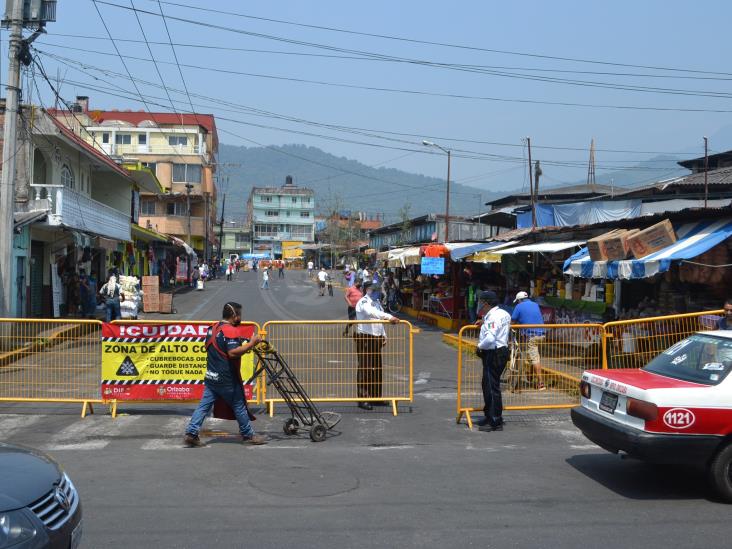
x: 644, y: 380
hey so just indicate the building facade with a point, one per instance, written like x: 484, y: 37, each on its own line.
x: 180, y: 148
x: 278, y: 214
x: 236, y: 238
x: 75, y: 208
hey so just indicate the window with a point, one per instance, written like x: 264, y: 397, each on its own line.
x: 142, y: 139
x: 123, y: 139
x: 271, y: 213
x: 105, y: 137
x: 294, y: 200
x: 266, y: 199
x: 67, y: 177
x: 186, y: 173
x: 177, y: 140
x: 304, y: 214
x: 152, y: 166
x: 306, y: 200
x: 147, y: 207
x: 288, y: 213
x: 176, y: 208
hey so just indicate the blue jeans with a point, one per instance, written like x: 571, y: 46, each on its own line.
x: 265, y: 284
x: 234, y: 397
x: 113, y: 310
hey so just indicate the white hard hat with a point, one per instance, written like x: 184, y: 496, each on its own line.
x: 520, y: 296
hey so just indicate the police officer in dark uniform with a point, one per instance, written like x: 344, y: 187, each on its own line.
x: 225, y: 349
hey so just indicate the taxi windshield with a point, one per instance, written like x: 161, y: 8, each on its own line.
x: 700, y: 358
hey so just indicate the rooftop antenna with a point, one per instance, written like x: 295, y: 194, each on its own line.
x: 591, y: 167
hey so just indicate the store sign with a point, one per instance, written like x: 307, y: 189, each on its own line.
x: 160, y: 361
x: 433, y: 265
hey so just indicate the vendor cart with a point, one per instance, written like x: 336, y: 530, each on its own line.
x: 304, y: 412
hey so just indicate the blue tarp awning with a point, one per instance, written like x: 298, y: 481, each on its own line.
x: 693, y: 239
x: 465, y: 251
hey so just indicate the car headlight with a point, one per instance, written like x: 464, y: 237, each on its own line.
x: 15, y: 528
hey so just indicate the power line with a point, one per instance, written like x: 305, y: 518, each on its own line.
x: 443, y: 44
x: 644, y: 89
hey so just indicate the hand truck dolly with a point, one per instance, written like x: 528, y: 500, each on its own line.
x: 303, y: 411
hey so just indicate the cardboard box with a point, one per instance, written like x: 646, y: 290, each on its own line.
x: 150, y: 303
x: 151, y: 281
x: 654, y: 238
x: 596, y: 246
x: 617, y: 247
x: 166, y: 303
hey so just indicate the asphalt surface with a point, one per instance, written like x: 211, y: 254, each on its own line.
x: 414, y: 480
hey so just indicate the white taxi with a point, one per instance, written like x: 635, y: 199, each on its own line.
x: 675, y: 410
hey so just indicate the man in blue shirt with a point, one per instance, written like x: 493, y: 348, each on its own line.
x: 528, y: 312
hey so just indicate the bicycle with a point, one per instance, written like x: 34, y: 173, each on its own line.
x: 392, y: 302
x: 514, y: 375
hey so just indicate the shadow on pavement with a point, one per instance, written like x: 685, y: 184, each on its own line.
x: 642, y: 481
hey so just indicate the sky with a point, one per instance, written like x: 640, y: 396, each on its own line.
x: 479, y: 104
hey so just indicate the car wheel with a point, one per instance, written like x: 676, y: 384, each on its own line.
x: 720, y: 473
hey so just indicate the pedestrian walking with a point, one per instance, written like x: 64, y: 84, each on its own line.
x: 195, y: 277
x: 229, y: 270
x: 265, y: 278
x: 493, y: 351
x: 91, y: 305
x: 349, y: 276
x: 110, y: 292
x: 370, y: 338
x: 529, y: 312
x: 322, y: 277
x: 365, y: 275
x: 281, y: 269
x: 352, y: 296
x: 84, y: 293
x: 224, y: 349
x: 237, y: 265
x: 329, y: 282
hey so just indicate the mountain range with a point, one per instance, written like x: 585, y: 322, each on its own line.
x: 345, y: 184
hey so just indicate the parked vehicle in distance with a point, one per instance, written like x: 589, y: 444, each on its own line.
x: 39, y: 505
x: 675, y: 410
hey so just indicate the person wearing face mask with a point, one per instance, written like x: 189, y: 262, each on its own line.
x: 370, y: 338
x: 224, y: 349
x: 725, y: 323
x: 493, y: 351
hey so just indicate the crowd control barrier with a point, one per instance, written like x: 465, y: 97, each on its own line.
x: 544, y: 365
x: 633, y: 343
x: 335, y: 363
x: 563, y: 353
x: 51, y: 360
x: 157, y: 362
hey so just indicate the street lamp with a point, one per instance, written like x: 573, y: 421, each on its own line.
x: 447, y: 198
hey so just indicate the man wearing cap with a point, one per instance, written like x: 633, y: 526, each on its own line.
x: 493, y: 351
x: 370, y: 338
x: 528, y: 312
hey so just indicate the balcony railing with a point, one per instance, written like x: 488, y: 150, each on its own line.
x: 69, y: 208
x: 114, y: 149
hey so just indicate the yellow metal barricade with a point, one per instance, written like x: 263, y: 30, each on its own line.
x: 543, y: 369
x: 258, y: 396
x: 633, y: 343
x: 335, y: 363
x: 50, y: 360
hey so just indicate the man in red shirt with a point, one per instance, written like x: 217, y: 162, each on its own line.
x: 352, y: 296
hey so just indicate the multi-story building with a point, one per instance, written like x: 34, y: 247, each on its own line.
x: 237, y: 238
x: 180, y: 148
x: 278, y: 214
x: 75, y: 208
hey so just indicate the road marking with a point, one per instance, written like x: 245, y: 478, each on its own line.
x: 9, y: 424
x: 437, y: 396
x: 174, y: 426
x: 399, y: 447
x: 584, y: 447
x: 422, y: 378
x: 91, y: 433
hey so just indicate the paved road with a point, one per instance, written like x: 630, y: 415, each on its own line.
x: 415, y: 480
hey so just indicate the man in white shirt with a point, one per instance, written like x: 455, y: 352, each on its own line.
x: 493, y: 351
x: 370, y: 338
x: 365, y: 275
x: 265, y: 279
x: 311, y: 265
x: 322, y: 277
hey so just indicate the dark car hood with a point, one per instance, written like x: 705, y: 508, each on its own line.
x: 25, y: 476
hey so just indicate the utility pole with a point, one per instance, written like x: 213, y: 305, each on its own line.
x: 221, y: 229
x: 531, y: 187
x: 447, y: 201
x: 188, y: 205
x: 537, y: 173
x: 706, y: 169
x: 206, y: 222
x: 7, y: 181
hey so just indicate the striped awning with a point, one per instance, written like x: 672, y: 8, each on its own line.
x: 693, y: 239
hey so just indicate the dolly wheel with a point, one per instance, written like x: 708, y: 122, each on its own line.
x: 290, y: 427
x: 318, y: 432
